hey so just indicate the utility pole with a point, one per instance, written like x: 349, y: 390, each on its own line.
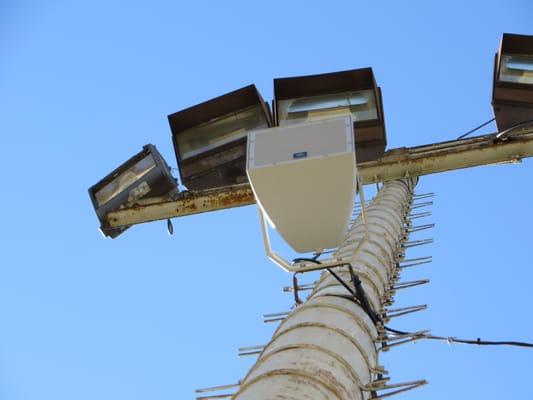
x: 328, y: 347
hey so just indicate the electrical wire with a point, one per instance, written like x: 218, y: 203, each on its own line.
x: 359, y: 295
x: 476, y: 128
x: 478, y: 341
x: 506, y: 132
x: 450, y: 339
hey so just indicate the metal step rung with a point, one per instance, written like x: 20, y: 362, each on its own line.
x: 404, y: 387
x: 420, y: 228
x: 423, y: 195
x: 308, y: 286
x: 418, y: 259
x: 248, y: 348
x: 216, y: 396
x: 420, y: 215
x: 268, y: 320
x: 409, y: 284
x: 415, y: 261
x: 216, y: 389
x: 249, y: 353
x: 414, y: 264
x: 420, y: 205
x: 415, y: 243
x: 395, y: 336
x: 394, y: 341
x: 398, y: 312
x: 273, y: 315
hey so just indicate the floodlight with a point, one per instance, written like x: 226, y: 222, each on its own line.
x: 317, y: 97
x: 145, y: 175
x: 512, y: 95
x: 210, y: 138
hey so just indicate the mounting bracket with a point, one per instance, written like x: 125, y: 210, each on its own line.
x: 305, y: 266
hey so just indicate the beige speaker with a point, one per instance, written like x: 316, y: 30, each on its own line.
x: 304, y: 180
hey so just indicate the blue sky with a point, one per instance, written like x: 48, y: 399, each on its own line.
x: 83, y: 85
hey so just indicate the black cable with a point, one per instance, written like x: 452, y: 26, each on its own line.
x: 484, y: 342
x: 297, y: 299
x: 360, y: 295
x: 357, y: 294
x: 304, y: 259
x: 478, y: 341
x: 476, y: 128
x: 348, y: 288
x: 314, y: 260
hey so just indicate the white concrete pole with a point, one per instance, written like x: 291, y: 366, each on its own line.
x: 327, y: 348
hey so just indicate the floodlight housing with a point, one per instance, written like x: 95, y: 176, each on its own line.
x: 144, y: 175
x: 210, y: 138
x: 317, y: 97
x: 512, y: 94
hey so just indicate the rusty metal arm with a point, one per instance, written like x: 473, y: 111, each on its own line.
x: 186, y: 203
x: 395, y: 164
x: 447, y: 156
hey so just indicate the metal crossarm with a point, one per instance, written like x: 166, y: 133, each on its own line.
x: 395, y: 164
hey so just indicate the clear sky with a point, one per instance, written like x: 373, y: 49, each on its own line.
x: 83, y: 85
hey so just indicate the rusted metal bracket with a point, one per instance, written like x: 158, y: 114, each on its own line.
x: 395, y: 164
x: 185, y: 203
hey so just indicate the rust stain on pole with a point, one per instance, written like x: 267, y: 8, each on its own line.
x: 186, y: 203
x: 446, y: 156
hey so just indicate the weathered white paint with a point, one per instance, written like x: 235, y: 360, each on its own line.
x: 327, y: 348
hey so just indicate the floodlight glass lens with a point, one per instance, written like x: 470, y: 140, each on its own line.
x: 328, y: 101
x: 220, y: 131
x: 517, y: 68
x: 361, y: 105
x: 124, y: 179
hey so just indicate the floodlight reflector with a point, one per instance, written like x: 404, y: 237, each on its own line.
x: 144, y: 175
x: 210, y: 138
x: 125, y: 179
x: 348, y: 93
